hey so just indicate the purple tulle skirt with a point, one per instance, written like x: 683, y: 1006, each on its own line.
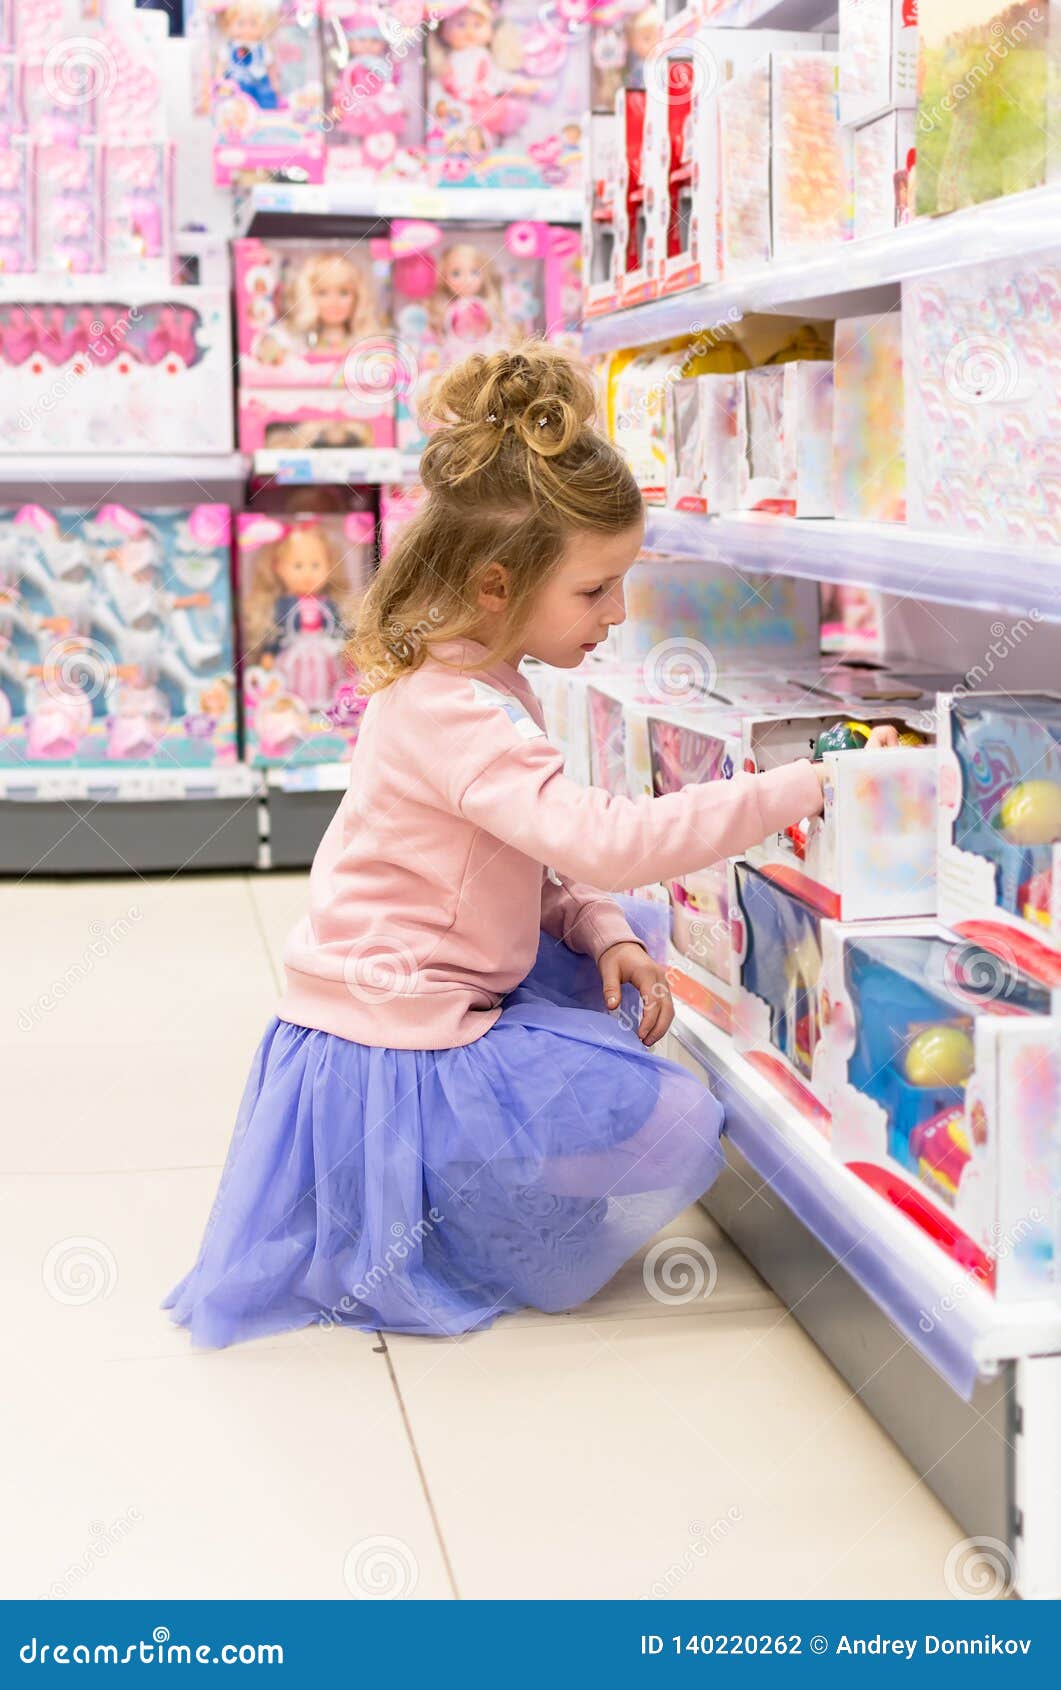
x: 429, y: 1191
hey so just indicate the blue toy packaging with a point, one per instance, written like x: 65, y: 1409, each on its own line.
x: 1000, y: 823
x: 939, y: 1062
x: 116, y: 637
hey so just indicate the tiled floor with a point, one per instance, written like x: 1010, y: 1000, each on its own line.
x: 634, y: 1447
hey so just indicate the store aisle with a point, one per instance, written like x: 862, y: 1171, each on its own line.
x: 642, y: 1445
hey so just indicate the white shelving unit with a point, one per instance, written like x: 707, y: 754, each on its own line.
x: 354, y: 466
x: 152, y: 479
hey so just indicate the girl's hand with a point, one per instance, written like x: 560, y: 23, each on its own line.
x: 882, y: 738
x: 630, y: 961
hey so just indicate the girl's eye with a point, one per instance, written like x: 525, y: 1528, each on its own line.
x: 593, y: 593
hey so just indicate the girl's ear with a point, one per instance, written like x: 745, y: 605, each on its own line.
x: 493, y: 587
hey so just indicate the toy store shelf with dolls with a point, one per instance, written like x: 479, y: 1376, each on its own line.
x: 844, y: 279
x: 361, y: 466
x: 377, y: 202
x: 888, y: 557
x: 903, y: 1271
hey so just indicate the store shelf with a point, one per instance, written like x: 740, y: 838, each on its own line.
x: 956, y: 1325
x: 760, y: 14
x: 845, y: 280
x: 363, y: 466
x: 301, y: 803
x: 376, y: 202
x: 153, y: 476
x: 939, y: 567
x: 126, y: 784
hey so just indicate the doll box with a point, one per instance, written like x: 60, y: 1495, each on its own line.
x: 300, y: 578
x: 927, y: 1042
x: 744, y: 170
x: 1000, y: 824
x: 138, y: 369
x: 623, y: 34
x: 690, y: 615
x: 785, y: 438
x: 266, y: 93
x: 374, y: 89
x: 869, y: 467
x: 810, y: 156
x: 598, y: 222
x: 884, y: 151
x: 116, y: 637
x: 634, y: 112
x: 507, y: 90
x: 878, y: 57
x: 667, y: 120
x: 312, y: 418
x: 703, y: 472
x: 316, y: 314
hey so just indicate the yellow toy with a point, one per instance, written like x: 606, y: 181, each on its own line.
x: 939, y: 1056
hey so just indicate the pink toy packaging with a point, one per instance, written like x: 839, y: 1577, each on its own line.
x: 869, y: 471
x: 266, y: 95
x: 17, y: 254
x: 623, y: 35
x: 563, y: 289
x: 884, y: 152
x: 69, y: 200
x: 878, y: 57
x: 309, y: 419
x: 374, y: 89
x: 300, y: 578
x: 507, y: 90
x: 116, y: 637
x: 138, y: 209
x: 398, y: 504
x: 940, y: 1063
x: 461, y: 289
x: 980, y: 363
x: 785, y: 438
x: 313, y: 314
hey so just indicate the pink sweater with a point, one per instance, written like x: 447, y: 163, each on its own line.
x: 459, y: 839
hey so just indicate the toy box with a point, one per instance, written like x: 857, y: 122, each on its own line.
x: 315, y: 314
x: 142, y: 369
x: 68, y: 207
x: 116, y: 637
x: 707, y: 617
x: 373, y: 89
x: 17, y: 253
x: 563, y: 289
x: 980, y: 360
x: 940, y: 1067
x: 744, y: 170
x: 638, y: 389
x: 398, y: 504
x: 138, y: 210
x: 598, y: 222
x: 776, y: 940
x: 629, y: 272
x: 878, y: 57
x: 810, y: 156
x: 460, y: 288
x: 623, y: 34
x: 300, y: 579
x: 507, y: 88
x: 1000, y: 822
x: 869, y: 470
x: 785, y: 439
x: 266, y: 95
x: 703, y: 471
x: 884, y: 152
x: 1000, y: 135
x: 666, y: 164
x: 312, y: 418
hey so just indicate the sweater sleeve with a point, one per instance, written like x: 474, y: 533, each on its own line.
x: 489, y: 760
x: 584, y: 919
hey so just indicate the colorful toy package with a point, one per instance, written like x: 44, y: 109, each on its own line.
x: 314, y: 314
x: 141, y: 369
x: 300, y: 578
x: 1002, y: 134
x: 703, y: 467
x: 266, y: 95
x: 598, y: 220
x: 744, y: 169
x: 1000, y: 822
x: 884, y: 153
x: 460, y: 289
x: 810, y: 156
x: 927, y: 1043
x: 623, y: 34
x: 629, y: 274
x: 785, y: 438
x: 983, y: 430
x: 398, y: 504
x: 681, y: 604
x: 116, y: 637
x: 508, y: 86
x: 776, y: 939
x: 638, y: 387
x: 878, y: 57
x: 869, y: 470
x: 374, y: 89
x: 312, y: 418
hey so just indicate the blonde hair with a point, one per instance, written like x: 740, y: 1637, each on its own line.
x: 304, y: 314
x: 514, y: 471
x: 259, y: 602
x: 443, y: 296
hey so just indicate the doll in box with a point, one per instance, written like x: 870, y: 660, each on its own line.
x: 293, y: 620
x: 247, y: 60
x: 466, y: 304
x: 484, y: 101
x: 333, y: 305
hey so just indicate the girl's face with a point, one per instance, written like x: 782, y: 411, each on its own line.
x: 334, y: 296
x: 583, y: 597
x: 302, y: 565
x: 467, y: 28
x: 461, y: 273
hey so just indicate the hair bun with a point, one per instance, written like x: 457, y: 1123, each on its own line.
x: 535, y: 391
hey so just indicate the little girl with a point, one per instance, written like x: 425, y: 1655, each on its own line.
x: 443, y: 1122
